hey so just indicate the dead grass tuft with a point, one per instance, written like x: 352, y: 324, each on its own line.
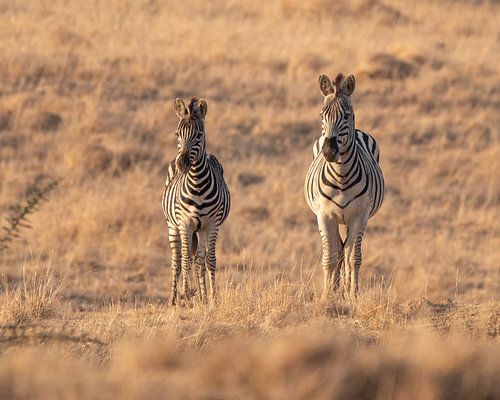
x: 34, y: 298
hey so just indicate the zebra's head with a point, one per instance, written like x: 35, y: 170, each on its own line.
x: 337, y: 115
x: 190, y: 132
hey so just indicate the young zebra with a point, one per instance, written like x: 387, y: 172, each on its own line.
x: 344, y: 185
x: 196, y: 200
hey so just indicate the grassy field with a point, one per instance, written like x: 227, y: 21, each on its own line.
x: 86, y: 99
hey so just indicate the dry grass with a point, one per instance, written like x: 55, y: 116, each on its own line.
x: 299, y: 366
x: 35, y: 297
x: 86, y: 96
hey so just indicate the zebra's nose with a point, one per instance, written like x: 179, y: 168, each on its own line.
x: 330, y: 149
x: 334, y: 144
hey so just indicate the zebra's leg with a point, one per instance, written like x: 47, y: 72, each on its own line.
x: 332, y: 253
x: 342, y: 264
x: 175, y: 265
x: 211, y: 241
x: 186, y: 237
x: 346, y: 277
x: 353, y: 254
x: 346, y: 271
x: 201, y: 266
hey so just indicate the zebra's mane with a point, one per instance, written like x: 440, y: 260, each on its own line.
x: 338, y: 82
x: 191, y: 103
x: 193, y: 108
x: 337, y: 99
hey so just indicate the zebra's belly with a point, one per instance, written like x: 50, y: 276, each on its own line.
x: 343, y: 206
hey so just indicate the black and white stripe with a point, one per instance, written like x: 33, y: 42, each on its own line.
x: 196, y: 200
x: 344, y: 186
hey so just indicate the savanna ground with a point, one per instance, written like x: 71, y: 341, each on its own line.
x: 86, y: 92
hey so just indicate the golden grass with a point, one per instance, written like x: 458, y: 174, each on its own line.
x: 86, y: 96
x: 296, y: 366
x: 34, y: 298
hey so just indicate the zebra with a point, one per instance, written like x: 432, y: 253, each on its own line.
x: 344, y: 186
x: 196, y: 200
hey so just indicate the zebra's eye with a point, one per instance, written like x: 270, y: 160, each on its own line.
x: 346, y: 116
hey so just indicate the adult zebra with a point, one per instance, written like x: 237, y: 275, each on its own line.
x: 344, y: 186
x: 196, y: 200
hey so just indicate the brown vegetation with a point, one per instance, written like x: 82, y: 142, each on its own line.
x: 86, y: 95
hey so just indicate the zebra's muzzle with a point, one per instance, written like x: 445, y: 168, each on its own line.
x: 182, y: 163
x: 330, y: 149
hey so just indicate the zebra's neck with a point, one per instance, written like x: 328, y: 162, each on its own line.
x: 347, y: 158
x: 198, y: 166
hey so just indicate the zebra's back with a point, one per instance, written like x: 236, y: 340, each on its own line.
x: 171, y: 171
x: 224, y: 195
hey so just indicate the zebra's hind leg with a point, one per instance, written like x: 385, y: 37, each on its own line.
x: 200, y: 263
x: 342, y: 268
x: 353, y: 255
x: 346, y: 272
x: 346, y: 278
x: 211, y: 241
x: 175, y: 265
x: 331, y: 259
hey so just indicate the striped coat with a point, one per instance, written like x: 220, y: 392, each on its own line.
x: 196, y: 201
x: 344, y: 186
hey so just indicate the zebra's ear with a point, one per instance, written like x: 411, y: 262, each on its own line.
x: 180, y: 108
x: 325, y: 85
x: 202, y: 107
x: 348, y: 85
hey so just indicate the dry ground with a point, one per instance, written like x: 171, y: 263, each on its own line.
x: 86, y: 91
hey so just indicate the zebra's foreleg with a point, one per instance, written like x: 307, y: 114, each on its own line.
x: 186, y: 237
x: 201, y: 266
x: 331, y: 259
x: 175, y: 265
x: 353, y: 254
x: 211, y: 241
